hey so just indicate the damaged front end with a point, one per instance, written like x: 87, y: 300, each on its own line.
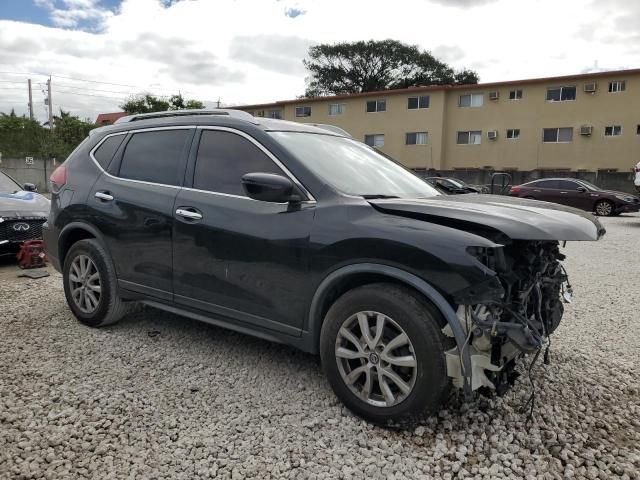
x: 511, y: 315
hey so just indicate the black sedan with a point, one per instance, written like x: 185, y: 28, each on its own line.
x: 453, y: 186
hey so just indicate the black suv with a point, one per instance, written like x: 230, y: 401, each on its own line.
x: 302, y: 235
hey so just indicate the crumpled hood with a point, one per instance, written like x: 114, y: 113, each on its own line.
x: 518, y: 218
x: 23, y: 204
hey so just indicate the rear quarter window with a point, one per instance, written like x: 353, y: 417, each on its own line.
x: 155, y: 156
x: 107, y: 149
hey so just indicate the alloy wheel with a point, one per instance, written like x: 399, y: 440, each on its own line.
x: 604, y: 209
x: 376, y: 359
x: 85, y: 284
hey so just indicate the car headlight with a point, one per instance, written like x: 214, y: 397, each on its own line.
x: 625, y: 198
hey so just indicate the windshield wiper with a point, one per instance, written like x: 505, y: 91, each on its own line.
x: 376, y: 195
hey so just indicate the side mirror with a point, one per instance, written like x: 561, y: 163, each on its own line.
x: 268, y: 187
x: 29, y: 187
x: 582, y: 189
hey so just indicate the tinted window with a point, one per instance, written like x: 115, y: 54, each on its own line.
x: 107, y: 150
x: 223, y: 158
x: 154, y: 156
x: 567, y: 185
x: 544, y: 184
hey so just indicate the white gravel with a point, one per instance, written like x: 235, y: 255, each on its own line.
x: 195, y: 401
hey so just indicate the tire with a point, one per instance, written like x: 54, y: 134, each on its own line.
x: 405, y: 311
x: 603, y: 208
x: 102, y: 306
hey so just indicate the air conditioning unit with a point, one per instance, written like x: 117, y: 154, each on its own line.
x: 590, y: 87
x: 492, y: 134
x: 586, y: 130
x: 494, y: 95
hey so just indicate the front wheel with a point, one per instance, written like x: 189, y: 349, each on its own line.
x: 90, y: 285
x: 383, y: 350
x: 604, y: 208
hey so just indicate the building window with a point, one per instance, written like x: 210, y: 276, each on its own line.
x: 374, y: 140
x: 376, y: 106
x: 638, y: 130
x: 513, y: 133
x: 515, y: 95
x: 561, y: 94
x: 303, y: 111
x: 471, y: 100
x: 557, y: 135
x: 416, y: 138
x: 617, y: 86
x: 336, y: 108
x: 414, y: 103
x: 473, y: 137
x: 259, y: 113
x: 613, y: 131
x: 275, y: 114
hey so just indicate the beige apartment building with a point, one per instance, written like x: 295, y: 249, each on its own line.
x: 587, y: 122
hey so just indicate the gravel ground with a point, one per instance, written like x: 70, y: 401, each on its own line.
x: 158, y: 396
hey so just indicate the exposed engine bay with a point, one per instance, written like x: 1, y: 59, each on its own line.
x: 499, y: 332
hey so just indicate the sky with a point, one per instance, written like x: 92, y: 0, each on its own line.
x: 99, y: 52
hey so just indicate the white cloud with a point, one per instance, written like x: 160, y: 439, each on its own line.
x: 247, y: 51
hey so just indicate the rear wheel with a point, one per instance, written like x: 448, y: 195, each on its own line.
x: 383, y: 350
x: 90, y: 284
x: 604, y: 208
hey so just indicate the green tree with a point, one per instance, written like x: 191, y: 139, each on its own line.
x: 367, y: 66
x: 147, y: 103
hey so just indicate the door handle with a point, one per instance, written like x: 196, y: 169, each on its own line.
x: 105, y: 196
x: 187, y: 212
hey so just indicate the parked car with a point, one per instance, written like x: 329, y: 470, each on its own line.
x: 22, y: 213
x: 300, y: 235
x: 636, y: 180
x: 579, y: 194
x: 453, y: 186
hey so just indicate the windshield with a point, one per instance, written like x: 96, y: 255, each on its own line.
x: 457, y: 183
x: 7, y: 185
x: 352, y: 167
x: 590, y: 186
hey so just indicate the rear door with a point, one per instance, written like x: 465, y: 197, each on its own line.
x: 132, y: 205
x: 542, y: 190
x: 234, y: 256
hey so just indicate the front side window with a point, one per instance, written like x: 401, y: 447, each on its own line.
x: 376, y: 106
x: 336, y: 108
x: 613, y: 131
x: 416, y: 138
x: 223, y: 158
x: 471, y: 100
x: 561, y: 94
x: 415, y: 103
x: 617, y: 86
x: 557, y: 135
x: 353, y: 168
x: 513, y: 133
x: 107, y: 150
x: 374, y: 140
x: 473, y: 137
x: 154, y: 156
x: 515, y: 95
x: 303, y: 111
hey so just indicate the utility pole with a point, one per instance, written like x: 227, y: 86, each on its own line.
x: 50, y: 104
x: 30, y: 101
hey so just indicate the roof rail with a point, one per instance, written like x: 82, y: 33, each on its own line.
x: 331, y: 128
x: 179, y: 113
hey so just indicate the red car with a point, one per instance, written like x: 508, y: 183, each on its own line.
x: 579, y: 194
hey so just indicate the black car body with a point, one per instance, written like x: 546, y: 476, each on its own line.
x: 22, y: 213
x: 578, y: 193
x: 281, y: 230
x: 454, y: 186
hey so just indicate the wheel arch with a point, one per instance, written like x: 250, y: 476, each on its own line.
x: 351, y: 276
x: 72, y: 233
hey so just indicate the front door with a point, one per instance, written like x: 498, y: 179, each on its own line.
x: 234, y: 256
x: 568, y: 194
x: 132, y: 205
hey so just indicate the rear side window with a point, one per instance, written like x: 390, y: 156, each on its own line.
x: 223, y: 158
x: 154, y: 156
x: 567, y: 185
x: 545, y: 184
x: 107, y: 150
